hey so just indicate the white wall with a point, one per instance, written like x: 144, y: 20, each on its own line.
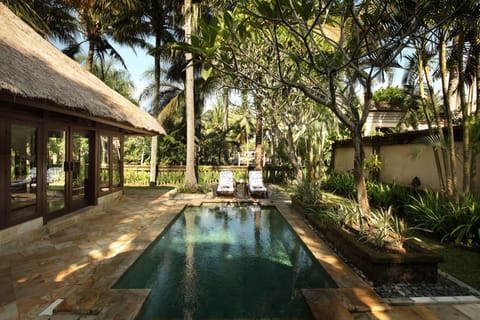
x: 402, y: 162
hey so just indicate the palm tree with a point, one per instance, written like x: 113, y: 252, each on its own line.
x: 161, y: 21
x: 116, y: 78
x: 190, y: 177
x: 100, y: 22
x: 215, y: 141
x: 50, y: 18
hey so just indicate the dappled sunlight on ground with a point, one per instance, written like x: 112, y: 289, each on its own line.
x: 82, y: 260
x: 68, y: 271
x: 122, y: 244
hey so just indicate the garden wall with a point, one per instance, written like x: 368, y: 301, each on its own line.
x: 402, y: 158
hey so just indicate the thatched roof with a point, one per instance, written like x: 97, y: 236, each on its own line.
x: 34, y: 72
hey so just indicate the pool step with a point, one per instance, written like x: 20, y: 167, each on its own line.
x: 339, y: 303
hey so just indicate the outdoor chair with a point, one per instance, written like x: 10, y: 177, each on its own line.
x: 255, y: 184
x: 226, y: 184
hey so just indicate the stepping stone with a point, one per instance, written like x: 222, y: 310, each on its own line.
x: 326, y: 305
x: 337, y: 303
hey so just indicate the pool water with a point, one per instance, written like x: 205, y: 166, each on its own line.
x: 226, y: 262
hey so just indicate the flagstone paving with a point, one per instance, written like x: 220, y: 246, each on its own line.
x: 78, y: 258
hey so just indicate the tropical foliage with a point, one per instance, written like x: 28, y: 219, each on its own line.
x: 305, y: 72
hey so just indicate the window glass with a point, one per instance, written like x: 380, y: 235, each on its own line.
x: 55, y: 170
x: 116, y: 162
x: 23, y: 172
x: 104, y: 164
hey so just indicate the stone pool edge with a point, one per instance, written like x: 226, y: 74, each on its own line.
x: 101, y: 301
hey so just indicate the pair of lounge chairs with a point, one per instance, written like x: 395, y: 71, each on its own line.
x: 226, y: 184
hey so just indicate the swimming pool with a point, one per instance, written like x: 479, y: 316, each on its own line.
x: 226, y: 261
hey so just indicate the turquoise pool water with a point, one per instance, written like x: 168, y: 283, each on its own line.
x: 226, y: 262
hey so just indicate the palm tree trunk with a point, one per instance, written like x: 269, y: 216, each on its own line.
x: 190, y: 178
x: 91, y: 51
x: 438, y: 123
x: 450, y: 159
x: 156, y: 111
x: 467, y: 152
x: 421, y: 75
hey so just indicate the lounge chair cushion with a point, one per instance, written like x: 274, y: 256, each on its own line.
x: 255, y: 182
x: 225, y: 182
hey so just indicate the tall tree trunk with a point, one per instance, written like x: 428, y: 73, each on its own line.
x: 477, y: 112
x: 467, y: 153
x: 156, y: 111
x: 477, y: 83
x: 291, y: 151
x: 190, y: 178
x: 446, y: 180
x: 225, y: 109
x: 359, y: 172
x: 91, y: 51
x: 258, y: 136
x: 429, y: 123
x: 450, y: 163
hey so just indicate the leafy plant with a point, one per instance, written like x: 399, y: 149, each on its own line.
x: 385, y: 227
x: 308, y: 192
x: 373, y: 165
x: 427, y: 210
x: 384, y: 195
x: 341, y: 183
x: 465, y: 222
x: 200, y: 188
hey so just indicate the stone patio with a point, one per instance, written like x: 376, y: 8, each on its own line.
x: 78, y: 258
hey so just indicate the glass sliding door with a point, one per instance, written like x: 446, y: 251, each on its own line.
x: 80, y: 168
x: 57, y: 159
x: 104, y: 177
x: 110, y: 173
x: 116, y: 162
x: 23, y: 172
x: 68, y: 173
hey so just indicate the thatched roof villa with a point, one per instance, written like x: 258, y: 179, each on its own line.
x: 62, y: 130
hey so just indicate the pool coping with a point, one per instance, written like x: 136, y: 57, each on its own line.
x: 102, y: 301
x: 80, y: 300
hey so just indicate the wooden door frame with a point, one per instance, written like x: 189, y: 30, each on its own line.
x: 89, y: 188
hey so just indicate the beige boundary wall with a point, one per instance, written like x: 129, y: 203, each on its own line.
x: 401, y: 161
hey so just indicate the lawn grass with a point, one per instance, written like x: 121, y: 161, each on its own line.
x: 461, y: 262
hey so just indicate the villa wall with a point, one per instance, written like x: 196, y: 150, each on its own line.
x: 402, y: 161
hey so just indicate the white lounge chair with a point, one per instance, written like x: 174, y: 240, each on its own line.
x: 226, y: 184
x: 255, y: 184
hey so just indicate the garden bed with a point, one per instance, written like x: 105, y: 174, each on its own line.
x: 417, y: 264
x: 306, y: 209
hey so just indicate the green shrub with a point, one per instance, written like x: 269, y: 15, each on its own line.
x: 200, y: 188
x: 170, y: 177
x: 308, y: 192
x: 136, y: 178
x: 384, y: 195
x: 447, y: 220
x: 384, y: 226
x: 345, y: 215
x: 428, y: 211
x: 342, y: 184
